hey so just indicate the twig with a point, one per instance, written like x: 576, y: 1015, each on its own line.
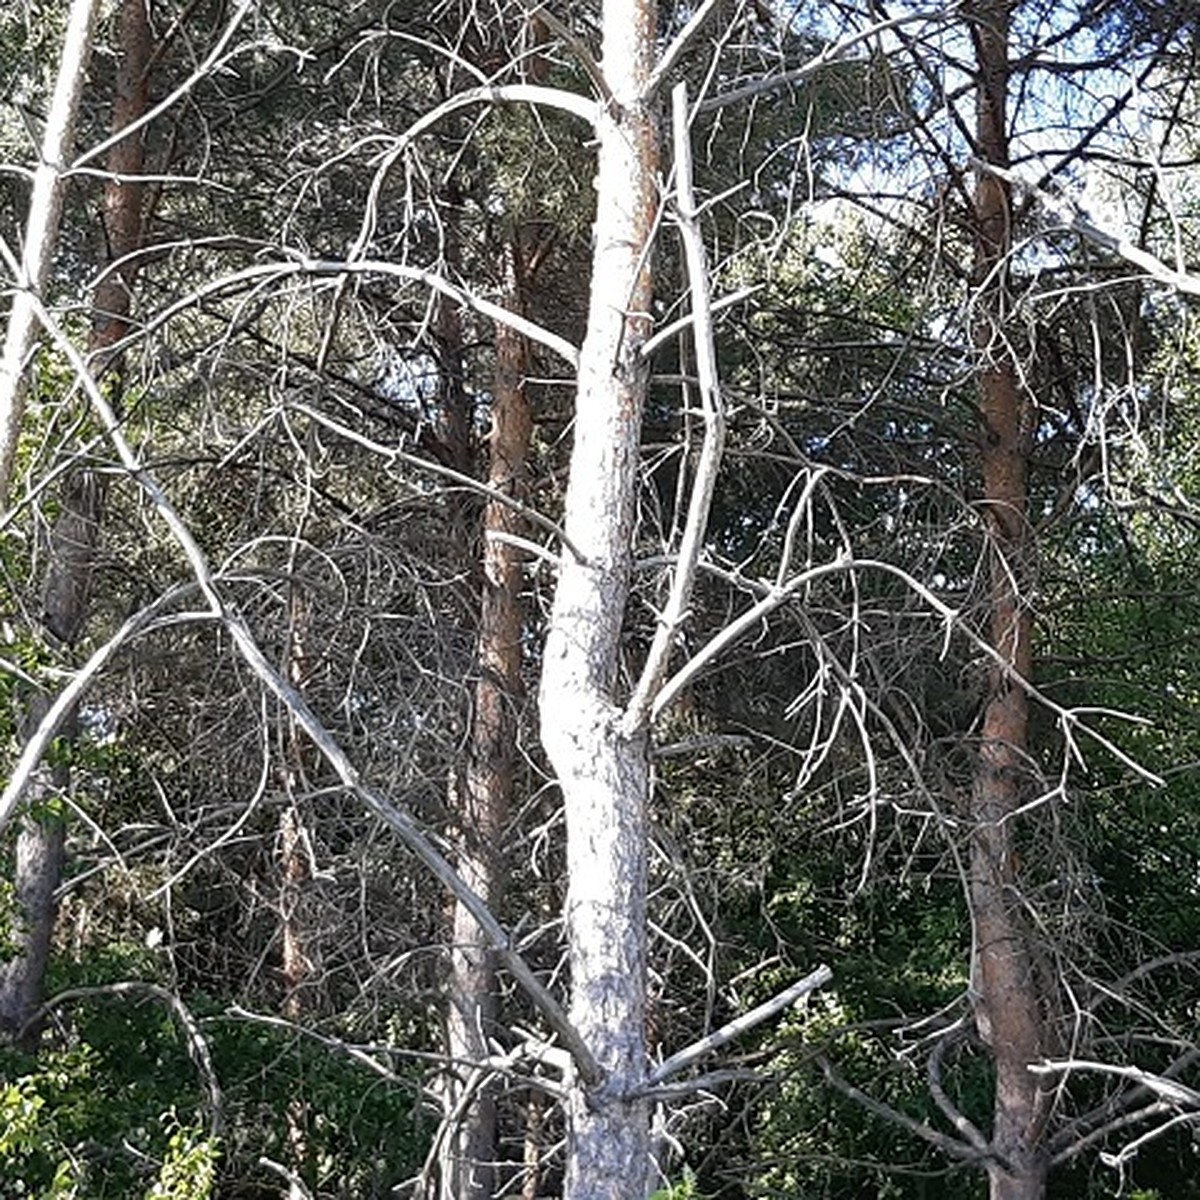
x: 667, y: 332
x: 436, y: 468
x: 1077, y: 222
x: 51, y: 724
x: 683, y: 39
x: 830, y: 54
x: 739, y: 1025
x: 950, y: 1146
x: 302, y: 265
x: 1168, y: 1089
x: 296, y: 1185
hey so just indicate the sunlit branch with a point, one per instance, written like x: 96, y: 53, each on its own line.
x: 831, y: 54
x: 216, y: 58
x: 568, y: 39
x: 41, y: 230
x: 708, y: 465
x: 667, y: 332
x: 774, y: 597
x: 1075, y: 221
x: 739, y: 1025
x: 674, y: 52
x: 509, y: 93
x: 1169, y: 1089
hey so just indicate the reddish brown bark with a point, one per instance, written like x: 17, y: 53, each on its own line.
x: 124, y: 194
x: 487, y: 792
x: 1006, y: 990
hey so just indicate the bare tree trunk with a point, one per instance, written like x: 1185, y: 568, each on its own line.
x: 603, y: 768
x: 487, y: 798
x: 38, y: 863
x: 67, y: 586
x: 1006, y: 991
x: 41, y: 229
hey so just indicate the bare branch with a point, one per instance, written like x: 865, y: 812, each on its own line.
x: 667, y: 332
x: 568, y: 39
x: 64, y: 703
x: 510, y: 93
x: 396, y: 818
x: 197, y: 1043
x: 1168, y: 1089
x: 215, y: 58
x: 775, y: 596
x: 302, y: 265
x: 950, y: 1110
x: 832, y: 53
x: 41, y: 229
x: 949, y: 1146
x: 435, y: 468
x: 712, y: 448
x: 359, y: 1054
x: 739, y: 1025
x: 1078, y: 222
x: 683, y: 39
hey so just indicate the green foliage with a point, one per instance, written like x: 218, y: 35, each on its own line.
x: 119, y: 1111
x: 189, y: 1170
x: 35, y: 1121
x: 685, y: 1189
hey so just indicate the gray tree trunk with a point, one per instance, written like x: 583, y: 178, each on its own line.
x: 37, y: 868
x: 603, y: 770
x: 41, y: 229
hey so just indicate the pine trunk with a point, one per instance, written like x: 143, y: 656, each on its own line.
x: 487, y: 793
x: 603, y: 770
x: 1007, y: 1000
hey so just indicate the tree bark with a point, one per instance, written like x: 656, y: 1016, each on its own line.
x: 298, y: 971
x: 41, y: 229
x: 488, y: 787
x: 603, y: 770
x: 66, y: 587
x: 1005, y: 987
x: 37, y: 868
